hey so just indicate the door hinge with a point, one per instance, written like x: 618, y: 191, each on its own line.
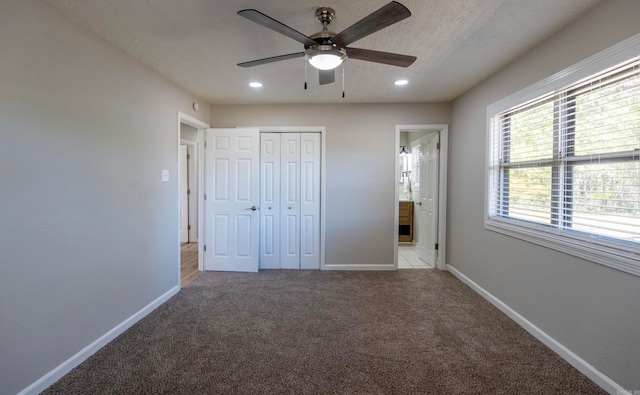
x: 205, y: 144
x: 438, y: 146
x: 205, y: 196
x: 205, y: 248
x: 188, y: 227
x: 188, y: 156
x: 188, y: 191
x: 436, y: 246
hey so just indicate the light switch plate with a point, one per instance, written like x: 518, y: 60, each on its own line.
x: 165, y: 175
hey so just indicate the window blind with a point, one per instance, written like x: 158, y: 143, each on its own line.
x: 568, y: 162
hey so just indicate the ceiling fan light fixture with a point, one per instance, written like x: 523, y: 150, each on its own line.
x: 325, y: 57
x: 325, y: 61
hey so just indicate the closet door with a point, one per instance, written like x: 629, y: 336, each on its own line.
x: 310, y: 201
x: 270, y: 200
x: 290, y: 201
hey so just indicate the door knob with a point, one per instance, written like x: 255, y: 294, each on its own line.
x: 252, y: 208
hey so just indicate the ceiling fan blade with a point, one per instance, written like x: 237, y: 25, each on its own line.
x: 327, y: 76
x: 385, y: 16
x: 270, y: 23
x: 394, y: 59
x: 271, y: 59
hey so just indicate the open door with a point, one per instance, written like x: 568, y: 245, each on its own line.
x: 427, y: 204
x: 232, y: 193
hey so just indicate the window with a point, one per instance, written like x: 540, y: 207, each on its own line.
x: 564, y: 167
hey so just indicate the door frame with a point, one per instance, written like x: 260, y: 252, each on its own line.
x: 323, y: 162
x: 443, y: 130
x: 200, y: 126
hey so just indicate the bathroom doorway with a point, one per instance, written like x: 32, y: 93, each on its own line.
x: 420, y: 203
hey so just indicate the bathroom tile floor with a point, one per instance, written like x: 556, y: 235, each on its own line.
x: 408, y: 257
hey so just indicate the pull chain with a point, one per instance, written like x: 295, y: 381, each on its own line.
x: 305, y: 76
x: 343, y: 81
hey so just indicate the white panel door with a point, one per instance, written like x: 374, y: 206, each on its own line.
x: 428, y: 203
x: 232, y: 197
x: 290, y: 201
x: 270, y: 200
x: 310, y: 200
x: 184, y: 197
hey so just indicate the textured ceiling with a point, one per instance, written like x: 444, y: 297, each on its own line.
x: 197, y: 44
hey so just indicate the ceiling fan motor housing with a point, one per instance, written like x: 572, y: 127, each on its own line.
x: 325, y: 15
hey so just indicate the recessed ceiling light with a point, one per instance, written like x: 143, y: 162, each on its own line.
x: 255, y: 84
x: 401, y: 82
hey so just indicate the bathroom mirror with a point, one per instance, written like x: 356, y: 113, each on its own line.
x: 403, y: 167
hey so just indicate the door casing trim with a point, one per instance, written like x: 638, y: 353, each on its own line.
x: 443, y: 130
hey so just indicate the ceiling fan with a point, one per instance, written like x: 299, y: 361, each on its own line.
x: 326, y: 50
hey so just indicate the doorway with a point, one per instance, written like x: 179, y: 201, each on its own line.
x: 188, y: 190
x: 420, y: 196
x: 188, y: 205
x: 190, y: 140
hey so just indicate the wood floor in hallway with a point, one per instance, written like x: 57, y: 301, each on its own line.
x: 188, y: 263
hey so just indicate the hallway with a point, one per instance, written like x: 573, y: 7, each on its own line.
x: 188, y: 263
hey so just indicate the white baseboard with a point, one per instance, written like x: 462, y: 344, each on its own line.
x: 48, y: 379
x: 583, y: 366
x: 359, y: 267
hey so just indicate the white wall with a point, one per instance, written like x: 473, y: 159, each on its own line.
x: 591, y: 309
x: 361, y: 152
x: 88, y: 233
x: 188, y: 132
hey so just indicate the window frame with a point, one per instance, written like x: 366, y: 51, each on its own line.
x: 601, y: 250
